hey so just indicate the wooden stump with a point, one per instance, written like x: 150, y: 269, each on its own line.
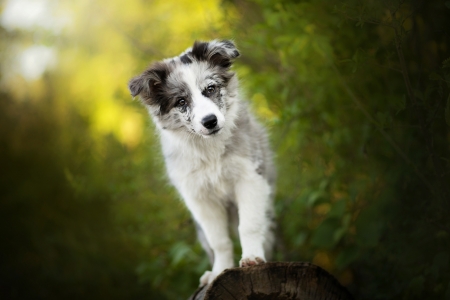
x: 276, y: 280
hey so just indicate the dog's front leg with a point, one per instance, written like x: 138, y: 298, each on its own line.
x: 253, y: 199
x: 212, y: 218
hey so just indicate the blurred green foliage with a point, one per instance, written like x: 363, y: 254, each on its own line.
x: 356, y: 95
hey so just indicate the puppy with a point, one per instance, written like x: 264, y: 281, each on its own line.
x: 217, y: 155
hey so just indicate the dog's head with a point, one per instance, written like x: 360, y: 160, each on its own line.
x: 190, y: 92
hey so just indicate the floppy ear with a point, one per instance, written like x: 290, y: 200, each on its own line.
x: 219, y: 53
x: 135, y: 85
x: 144, y: 83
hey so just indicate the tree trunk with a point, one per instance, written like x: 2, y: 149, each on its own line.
x: 276, y: 280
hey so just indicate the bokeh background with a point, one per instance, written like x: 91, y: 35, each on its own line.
x: 355, y: 95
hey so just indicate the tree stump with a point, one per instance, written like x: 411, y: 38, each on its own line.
x: 274, y: 280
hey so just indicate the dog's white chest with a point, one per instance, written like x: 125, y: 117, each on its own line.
x: 207, y: 172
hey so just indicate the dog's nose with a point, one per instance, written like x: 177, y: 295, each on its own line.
x: 209, y: 121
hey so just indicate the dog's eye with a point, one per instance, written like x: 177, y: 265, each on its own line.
x: 210, y: 89
x: 181, y: 102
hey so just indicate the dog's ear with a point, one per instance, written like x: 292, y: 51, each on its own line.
x: 135, y: 85
x: 218, y: 53
x: 149, y: 80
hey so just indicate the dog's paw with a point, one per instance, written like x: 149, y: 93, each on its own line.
x: 207, y: 278
x: 251, y: 261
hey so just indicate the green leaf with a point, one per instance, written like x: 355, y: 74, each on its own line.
x: 338, y: 209
x: 323, y: 236
x: 346, y: 220
x: 315, y: 197
x: 339, y: 234
x: 300, y: 239
x: 179, y: 252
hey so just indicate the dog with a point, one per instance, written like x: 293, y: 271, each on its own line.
x: 216, y: 153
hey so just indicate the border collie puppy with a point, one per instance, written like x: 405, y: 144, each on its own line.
x: 217, y: 155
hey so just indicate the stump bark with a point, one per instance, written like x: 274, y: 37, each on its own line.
x: 276, y: 280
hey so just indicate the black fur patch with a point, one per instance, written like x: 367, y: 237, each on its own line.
x: 185, y: 59
x: 218, y: 54
x: 157, y: 75
x: 220, y: 60
x: 199, y: 50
